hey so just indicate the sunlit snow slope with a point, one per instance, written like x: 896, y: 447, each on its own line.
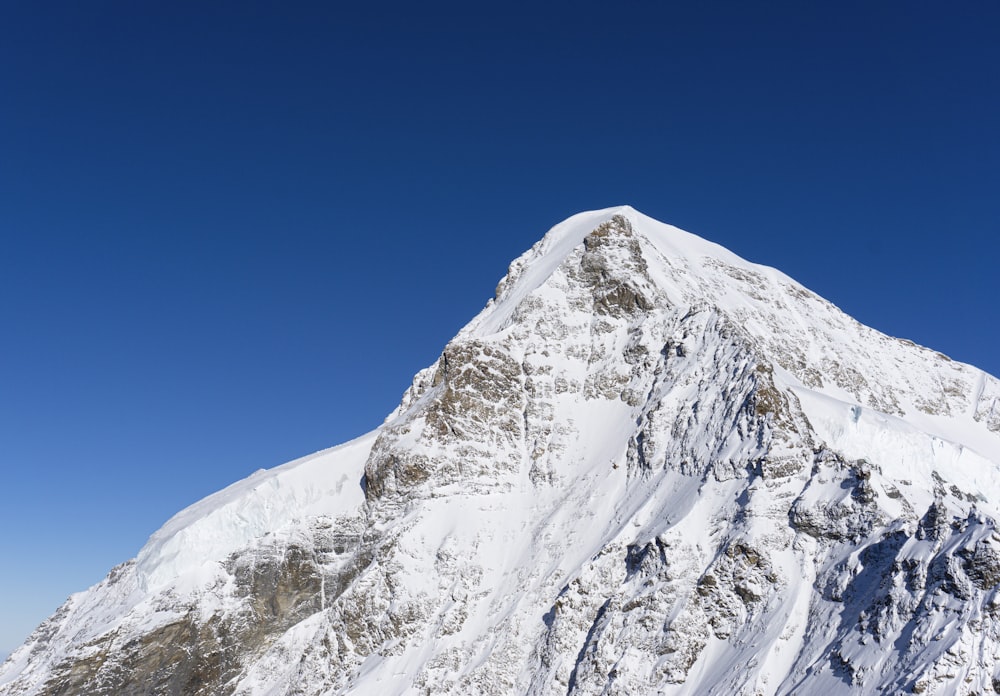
x: 647, y: 466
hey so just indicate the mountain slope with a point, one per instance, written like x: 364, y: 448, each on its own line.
x: 648, y: 466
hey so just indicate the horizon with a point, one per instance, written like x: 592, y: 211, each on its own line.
x: 234, y: 234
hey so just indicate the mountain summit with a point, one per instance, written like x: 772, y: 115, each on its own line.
x: 647, y: 466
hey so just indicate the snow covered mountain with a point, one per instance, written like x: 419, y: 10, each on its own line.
x: 647, y: 466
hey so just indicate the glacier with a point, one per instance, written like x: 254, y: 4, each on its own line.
x: 647, y: 466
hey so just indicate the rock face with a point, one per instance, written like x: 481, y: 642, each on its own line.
x: 647, y: 466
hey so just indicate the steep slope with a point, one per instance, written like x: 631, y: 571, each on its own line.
x: 647, y: 466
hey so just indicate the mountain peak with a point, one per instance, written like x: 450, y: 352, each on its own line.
x: 813, y: 343
x: 647, y: 465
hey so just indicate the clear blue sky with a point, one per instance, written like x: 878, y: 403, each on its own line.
x: 231, y: 234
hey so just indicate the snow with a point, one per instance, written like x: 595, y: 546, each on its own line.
x: 902, y: 451
x: 323, y: 483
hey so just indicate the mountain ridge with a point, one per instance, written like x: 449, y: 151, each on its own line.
x: 651, y: 519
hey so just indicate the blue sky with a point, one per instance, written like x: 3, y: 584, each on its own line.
x: 230, y: 235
